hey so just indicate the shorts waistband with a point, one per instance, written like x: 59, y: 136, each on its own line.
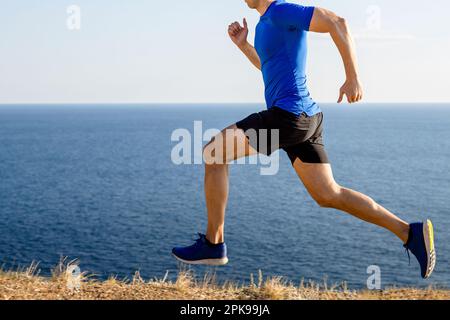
x: 287, y: 113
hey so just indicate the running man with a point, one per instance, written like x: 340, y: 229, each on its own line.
x: 280, y: 53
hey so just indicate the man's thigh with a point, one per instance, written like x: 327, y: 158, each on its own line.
x: 317, y: 177
x: 229, y: 145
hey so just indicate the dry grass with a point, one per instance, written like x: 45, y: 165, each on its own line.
x: 26, y: 284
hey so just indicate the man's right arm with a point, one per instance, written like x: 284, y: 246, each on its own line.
x: 239, y: 35
x: 251, y: 54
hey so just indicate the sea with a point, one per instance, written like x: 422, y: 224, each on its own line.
x: 99, y: 183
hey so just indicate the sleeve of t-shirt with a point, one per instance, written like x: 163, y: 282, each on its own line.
x: 291, y: 15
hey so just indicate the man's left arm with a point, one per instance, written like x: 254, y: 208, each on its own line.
x: 325, y: 21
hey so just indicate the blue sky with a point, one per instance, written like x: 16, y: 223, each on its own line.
x: 179, y: 51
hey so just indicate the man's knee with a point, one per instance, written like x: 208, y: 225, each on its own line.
x: 208, y: 153
x: 214, y: 153
x: 212, y: 163
x: 329, y: 197
x: 207, y: 148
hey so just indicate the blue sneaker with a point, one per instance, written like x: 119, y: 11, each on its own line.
x: 202, y: 252
x: 421, y: 244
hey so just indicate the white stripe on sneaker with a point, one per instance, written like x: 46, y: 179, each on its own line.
x: 209, y: 262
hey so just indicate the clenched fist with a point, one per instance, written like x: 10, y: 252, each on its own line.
x: 353, y: 90
x: 237, y: 33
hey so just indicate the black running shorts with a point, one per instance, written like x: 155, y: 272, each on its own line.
x: 300, y: 136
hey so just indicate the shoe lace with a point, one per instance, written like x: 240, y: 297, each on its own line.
x: 407, y: 251
x: 200, y: 238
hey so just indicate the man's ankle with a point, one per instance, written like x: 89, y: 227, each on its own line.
x: 219, y: 241
x: 405, y: 235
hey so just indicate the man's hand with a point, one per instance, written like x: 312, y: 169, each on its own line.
x: 353, y: 90
x: 238, y: 34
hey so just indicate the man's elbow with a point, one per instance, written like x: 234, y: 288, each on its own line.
x: 338, y: 24
x: 341, y: 22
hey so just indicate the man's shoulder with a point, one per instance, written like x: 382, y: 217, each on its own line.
x: 292, y: 14
x: 283, y: 5
x: 280, y: 5
x: 281, y: 8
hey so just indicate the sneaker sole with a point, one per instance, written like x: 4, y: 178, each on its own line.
x: 208, y: 262
x: 428, y: 235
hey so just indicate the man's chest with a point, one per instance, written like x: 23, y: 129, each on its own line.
x: 269, y: 40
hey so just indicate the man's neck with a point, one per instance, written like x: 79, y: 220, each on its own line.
x: 262, y: 8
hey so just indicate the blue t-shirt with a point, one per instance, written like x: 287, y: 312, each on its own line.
x: 282, y: 47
